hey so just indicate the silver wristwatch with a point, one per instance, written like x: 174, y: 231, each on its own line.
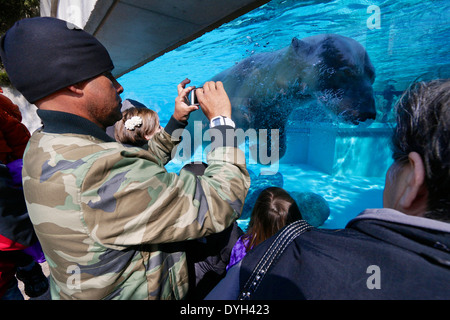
x: 221, y: 120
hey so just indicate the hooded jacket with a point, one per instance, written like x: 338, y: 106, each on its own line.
x: 381, y: 254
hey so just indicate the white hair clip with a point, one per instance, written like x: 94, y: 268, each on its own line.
x: 133, y: 122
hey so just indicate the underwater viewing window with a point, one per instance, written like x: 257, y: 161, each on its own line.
x: 326, y: 75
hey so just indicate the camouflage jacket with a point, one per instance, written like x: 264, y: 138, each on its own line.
x: 110, y: 218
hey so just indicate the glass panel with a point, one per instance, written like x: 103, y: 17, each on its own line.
x: 320, y: 92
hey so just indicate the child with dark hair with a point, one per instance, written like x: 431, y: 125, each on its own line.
x: 274, y: 209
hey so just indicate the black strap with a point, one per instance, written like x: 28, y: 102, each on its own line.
x: 284, y: 238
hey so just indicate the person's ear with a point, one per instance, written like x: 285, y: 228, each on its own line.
x: 415, y: 194
x: 76, y: 88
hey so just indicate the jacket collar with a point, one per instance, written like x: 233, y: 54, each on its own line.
x: 428, y: 238
x: 68, y: 123
x: 390, y: 215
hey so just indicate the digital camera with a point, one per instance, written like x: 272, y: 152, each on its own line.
x: 191, y: 99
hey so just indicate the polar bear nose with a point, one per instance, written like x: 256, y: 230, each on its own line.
x: 356, y: 117
x: 364, y: 116
x: 357, y: 109
x: 366, y: 109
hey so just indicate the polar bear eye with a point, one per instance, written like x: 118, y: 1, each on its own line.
x: 347, y: 71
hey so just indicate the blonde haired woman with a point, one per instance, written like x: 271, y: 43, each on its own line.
x: 138, y: 125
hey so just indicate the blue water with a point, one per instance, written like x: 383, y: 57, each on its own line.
x: 408, y: 42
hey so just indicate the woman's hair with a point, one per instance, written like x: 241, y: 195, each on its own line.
x: 274, y: 209
x: 423, y: 126
x: 132, y: 132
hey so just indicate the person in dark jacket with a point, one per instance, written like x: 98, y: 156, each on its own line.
x: 19, y: 247
x: 401, y: 251
x: 208, y: 256
x: 20, y: 252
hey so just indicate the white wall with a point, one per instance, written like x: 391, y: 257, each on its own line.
x: 74, y: 11
x: 29, y: 116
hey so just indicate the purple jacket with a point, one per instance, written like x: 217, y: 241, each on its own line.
x: 238, y: 252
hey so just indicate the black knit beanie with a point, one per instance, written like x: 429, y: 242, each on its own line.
x: 43, y: 55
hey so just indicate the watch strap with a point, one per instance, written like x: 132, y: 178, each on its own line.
x: 220, y: 121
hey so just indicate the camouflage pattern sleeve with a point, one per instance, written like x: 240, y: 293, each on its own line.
x: 137, y: 202
x: 161, y: 146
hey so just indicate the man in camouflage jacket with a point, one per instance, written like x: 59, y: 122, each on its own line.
x: 110, y: 218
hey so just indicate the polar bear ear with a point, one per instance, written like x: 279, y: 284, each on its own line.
x: 300, y: 45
